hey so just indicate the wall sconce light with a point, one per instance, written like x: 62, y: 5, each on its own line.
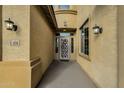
x: 97, y: 29
x: 64, y: 30
x: 65, y: 24
x: 10, y: 25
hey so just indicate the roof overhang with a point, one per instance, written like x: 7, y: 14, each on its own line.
x: 49, y: 13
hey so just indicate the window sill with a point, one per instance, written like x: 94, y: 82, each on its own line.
x: 84, y: 56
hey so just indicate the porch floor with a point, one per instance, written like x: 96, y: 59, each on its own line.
x: 65, y: 74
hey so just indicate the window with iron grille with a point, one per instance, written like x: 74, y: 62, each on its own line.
x: 72, y: 45
x: 85, y: 38
x: 56, y: 49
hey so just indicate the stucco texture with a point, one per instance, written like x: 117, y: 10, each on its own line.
x: 41, y: 37
x: 23, y: 65
x: 20, y: 15
x: 121, y: 46
x: 102, y: 63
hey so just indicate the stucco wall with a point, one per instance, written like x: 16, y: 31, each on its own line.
x: 121, y: 45
x: 20, y: 15
x: 15, y: 66
x: 20, y: 66
x: 41, y: 37
x: 0, y: 33
x: 69, y: 18
x: 15, y: 74
x: 102, y: 67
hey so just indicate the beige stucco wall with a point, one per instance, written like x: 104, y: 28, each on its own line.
x: 69, y: 18
x: 121, y: 45
x: 0, y: 33
x: 102, y: 67
x: 15, y: 69
x: 21, y: 66
x: 21, y: 16
x: 42, y: 37
x: 15, y: 74
x: 106, y: 50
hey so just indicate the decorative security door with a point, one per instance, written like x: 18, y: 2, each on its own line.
x: 64, y: 48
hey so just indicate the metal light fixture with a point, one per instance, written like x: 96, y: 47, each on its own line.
x: 10, y: 25
x: 97, y: 29
x: 65, y: 24
x: 64, y: 29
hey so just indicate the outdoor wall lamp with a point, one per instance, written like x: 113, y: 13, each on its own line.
x: 97, y: 29
x: 65, y: 24
x: 10, y: 25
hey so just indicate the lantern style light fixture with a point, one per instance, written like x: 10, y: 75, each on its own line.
x: 10, y: 25
x: 97, y: 29
x: 65, y: 24
x: 64, y: 30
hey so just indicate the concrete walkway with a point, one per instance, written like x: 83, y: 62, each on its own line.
x: 64, y: 74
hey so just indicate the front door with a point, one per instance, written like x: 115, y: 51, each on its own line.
x: 64, y: 48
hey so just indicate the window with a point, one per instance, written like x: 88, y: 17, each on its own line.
x: 64, y: 7
x: 85, y: 38
x: 64, y: 34
x: 56, y: 45
x: 57, y: 34
x: 72, y: 45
